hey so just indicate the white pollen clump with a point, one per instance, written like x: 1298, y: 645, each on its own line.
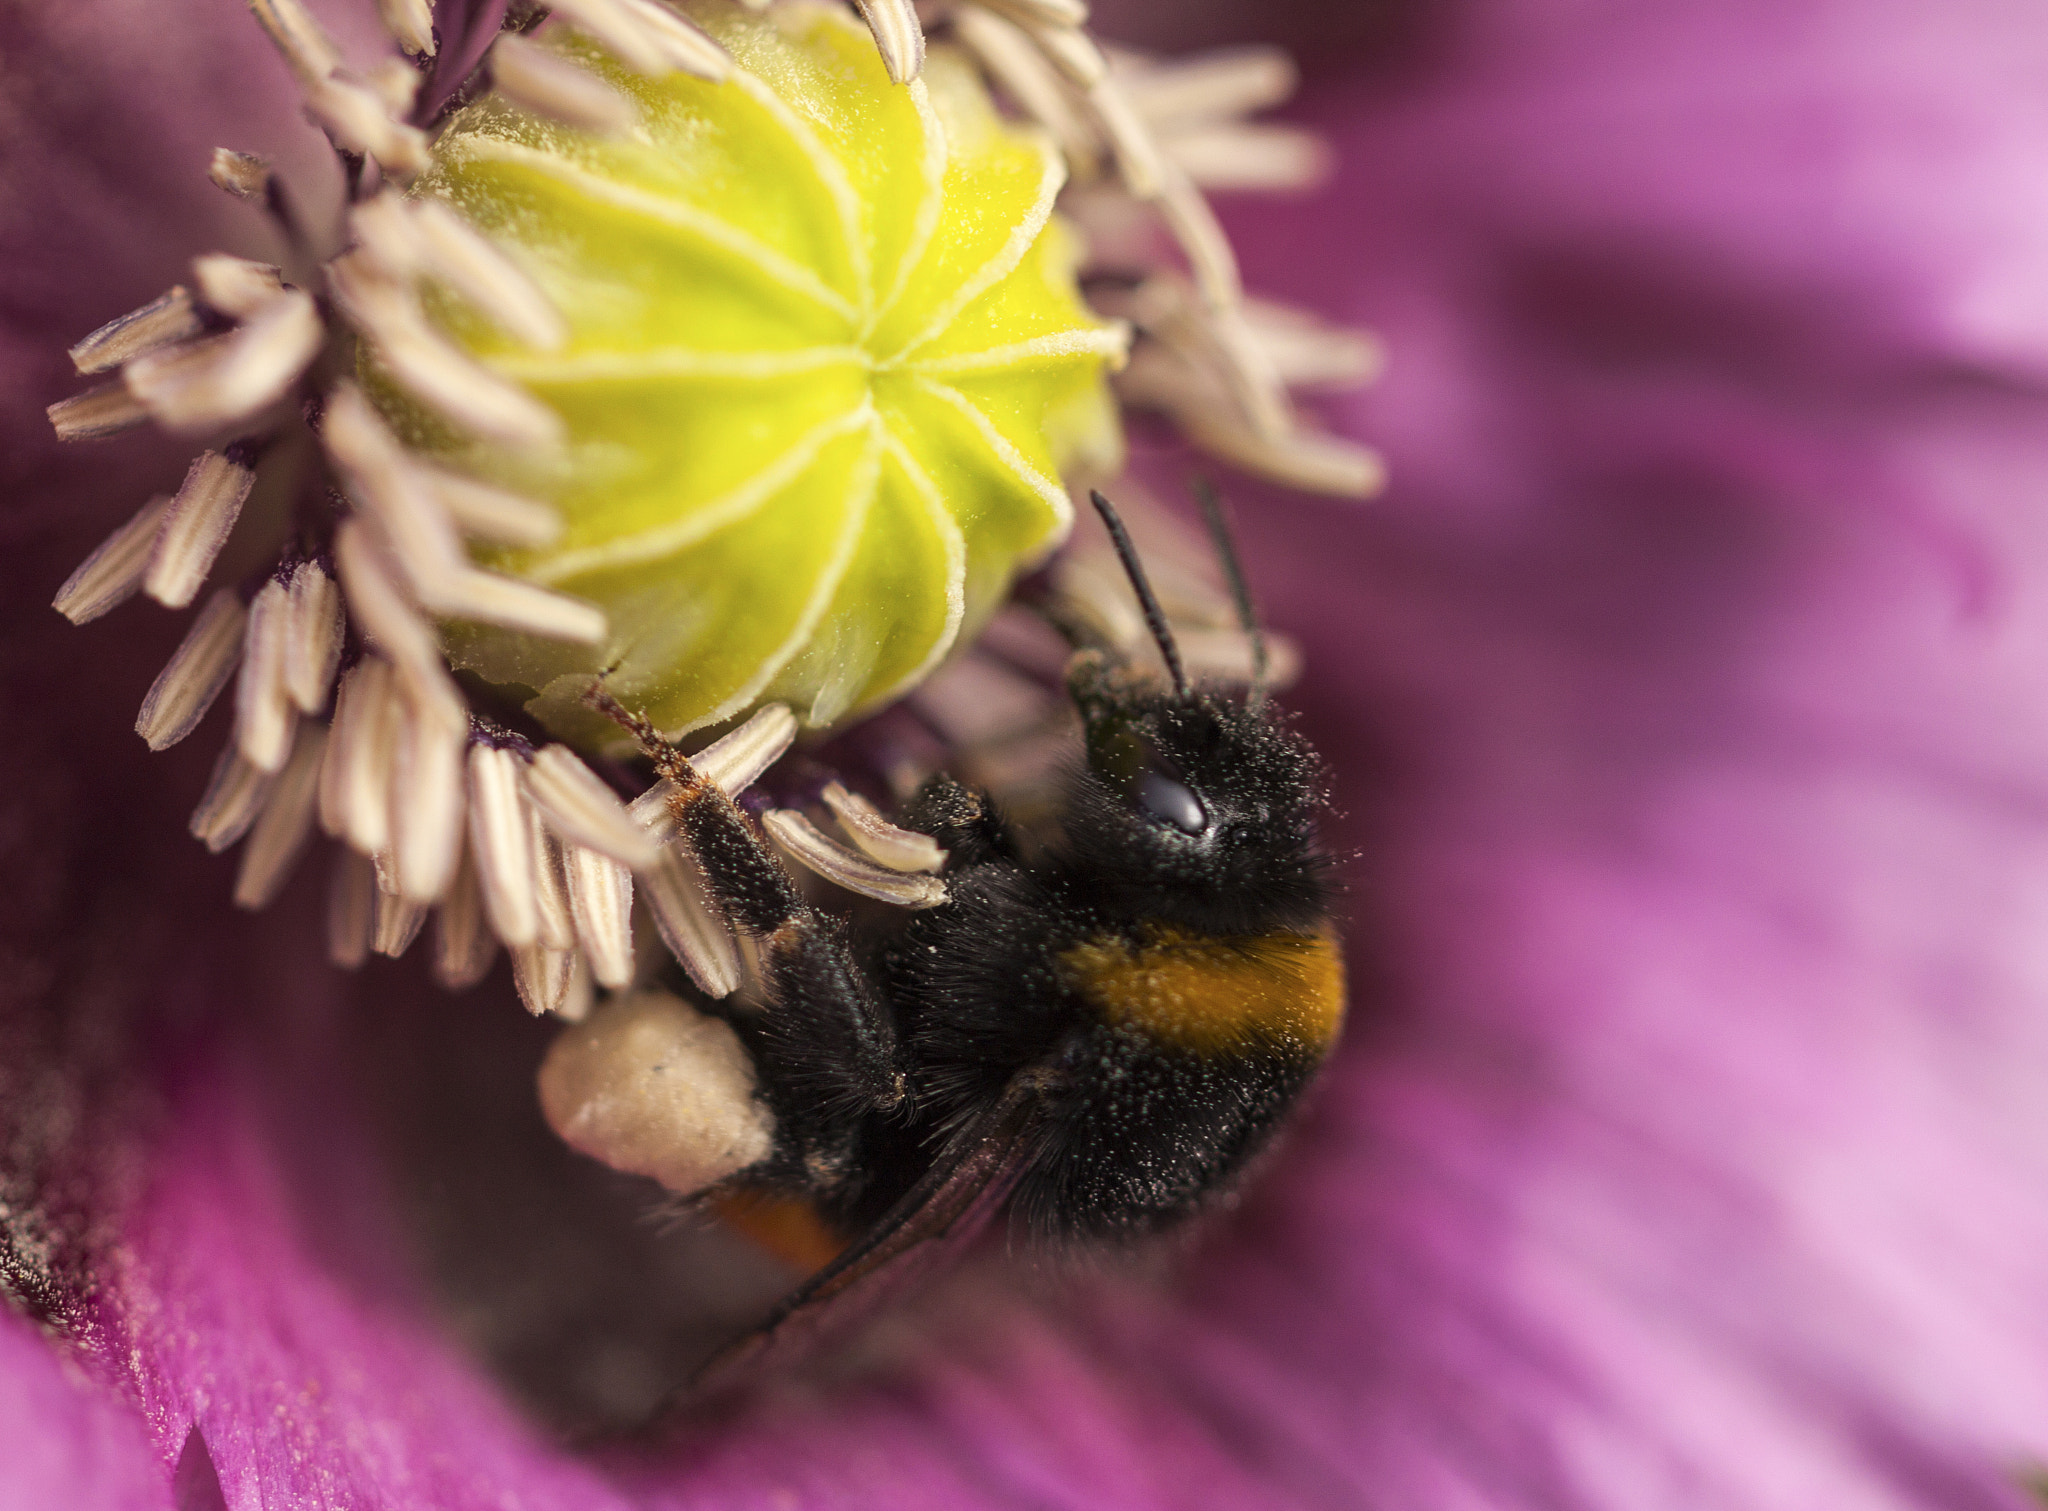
x: 649, y: 1085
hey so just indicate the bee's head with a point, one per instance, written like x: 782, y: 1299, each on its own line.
x: 1191, y: 807
x: 1194, y: 808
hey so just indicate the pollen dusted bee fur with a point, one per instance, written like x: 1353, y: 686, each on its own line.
x: 1099, y: 1025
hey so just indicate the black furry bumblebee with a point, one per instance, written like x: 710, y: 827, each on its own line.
x: 1097, y: 1032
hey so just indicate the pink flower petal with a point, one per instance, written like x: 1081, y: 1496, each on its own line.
x: 1685, y: 696
x: 63, y: 1443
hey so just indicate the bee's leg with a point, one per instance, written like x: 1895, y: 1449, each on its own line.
x: 825, y: 1049
x: 963, y: 822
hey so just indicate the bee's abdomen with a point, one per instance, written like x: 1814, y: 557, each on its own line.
x: 1277, y: 992
x: 1190, y: 1050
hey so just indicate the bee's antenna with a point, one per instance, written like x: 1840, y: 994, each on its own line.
x: 1155, y: 617
x: 1217, y: 514
x: 644, y: 733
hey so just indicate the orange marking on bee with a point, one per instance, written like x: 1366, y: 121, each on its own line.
x: 1208, y: 993
x: 789, y: 1229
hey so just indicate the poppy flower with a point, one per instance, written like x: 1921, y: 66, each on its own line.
x: 1682, y: 1149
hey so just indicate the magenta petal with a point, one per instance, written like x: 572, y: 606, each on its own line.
x: 257, y: 1280
x: 62, y: 1443
x: 1686, y: 696
x: 1703, y: 1159
x: 264, y: 1289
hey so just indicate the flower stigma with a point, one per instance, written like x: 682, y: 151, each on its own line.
x: 814, y: 320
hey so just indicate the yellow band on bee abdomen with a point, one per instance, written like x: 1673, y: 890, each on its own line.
x: 1205, y: 992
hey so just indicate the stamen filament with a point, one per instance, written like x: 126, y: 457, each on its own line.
x: 398, y: 924
x: 426, y: 796
x: 464, y: 946
x: 198, y: 387
x: 691, y: 925
x: 898, y: 36
x: 535, y: 79
x: 501, y: 839
x: 550, y: 892
x: 583, y: 811
x: 170, y: 317
x: 205, y: 510
x: 113, y: 573
x: 802, y: 841
x: 200, y: 667
x: 411, y: 24
x: 235, y: 285
x: 233, y: 798
x: 355, y: 801
x: 351, y: 909
x: 97, y: 413
x: 314, y: 628
x: 877, y: 838
x: 284, y: 825
x: 264, y: 715
x: 601, y: 906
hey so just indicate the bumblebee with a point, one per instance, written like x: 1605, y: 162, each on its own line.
x: 1096, y: 1029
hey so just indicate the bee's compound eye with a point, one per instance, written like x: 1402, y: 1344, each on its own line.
x: 1169, y: 802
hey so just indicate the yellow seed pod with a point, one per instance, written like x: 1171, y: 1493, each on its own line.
x: 826, y: 365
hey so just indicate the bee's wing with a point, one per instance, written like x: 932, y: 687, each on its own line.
x: 934, y: 1221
